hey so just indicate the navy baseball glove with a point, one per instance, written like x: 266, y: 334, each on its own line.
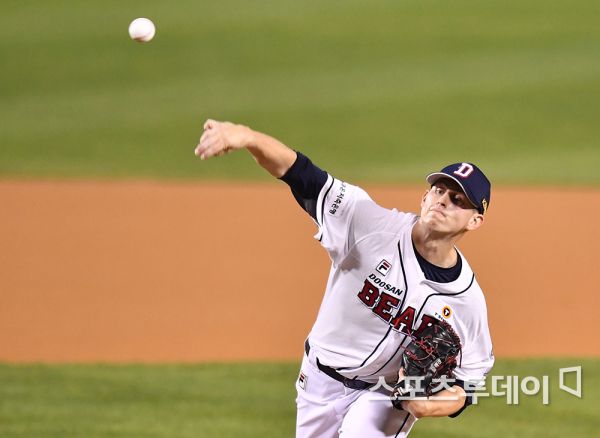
x: 426, y: 359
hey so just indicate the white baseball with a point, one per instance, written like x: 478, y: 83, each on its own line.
x: 142, y: 30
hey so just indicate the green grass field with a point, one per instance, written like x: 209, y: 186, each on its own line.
x: 251, y: 400
x: 383, y: 90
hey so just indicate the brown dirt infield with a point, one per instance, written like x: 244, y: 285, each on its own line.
x: 157, y: 272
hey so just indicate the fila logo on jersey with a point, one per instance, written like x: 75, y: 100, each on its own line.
x: 464, y: 170
x: 384, y: 267
x: 387, y: 308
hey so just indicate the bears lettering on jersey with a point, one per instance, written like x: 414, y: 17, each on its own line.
x: 383, y: 305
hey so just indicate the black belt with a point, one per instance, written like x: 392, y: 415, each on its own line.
x: 348, y: 383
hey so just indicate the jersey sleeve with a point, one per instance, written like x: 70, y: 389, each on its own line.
x: 477, y: 357
x: 306, y: 180
x: 345, y: 214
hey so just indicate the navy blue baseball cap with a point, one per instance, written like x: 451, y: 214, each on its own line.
x: 472, y: 181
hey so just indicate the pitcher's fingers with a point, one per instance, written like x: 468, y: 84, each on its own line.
x: 200, y: 152
x: 209, y: 124
x: 220, y: 153
x: 200, y: 148
x: 211, y: 150
x: 206, y: 141
x: 206, y: 135
x: 203, y: 146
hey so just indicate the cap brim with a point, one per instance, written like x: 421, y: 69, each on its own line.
x: 433, y: 177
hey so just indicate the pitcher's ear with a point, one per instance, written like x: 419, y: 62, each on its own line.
x: 475, y: 222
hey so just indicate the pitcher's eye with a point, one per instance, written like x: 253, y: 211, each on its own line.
x: 458, y: 201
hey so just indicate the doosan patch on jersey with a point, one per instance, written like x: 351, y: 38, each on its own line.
x: 384, y: 267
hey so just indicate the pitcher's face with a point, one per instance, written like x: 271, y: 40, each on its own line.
x: 446, y: 209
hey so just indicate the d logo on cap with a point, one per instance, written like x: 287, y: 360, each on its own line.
x: 464, y: 170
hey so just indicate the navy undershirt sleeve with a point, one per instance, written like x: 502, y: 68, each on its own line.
x: 306, y: 181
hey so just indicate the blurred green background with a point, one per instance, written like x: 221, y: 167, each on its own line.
x: 377, y: 91
x: 372, y: 91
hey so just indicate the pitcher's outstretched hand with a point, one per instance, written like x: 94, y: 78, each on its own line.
x: 220, y: 138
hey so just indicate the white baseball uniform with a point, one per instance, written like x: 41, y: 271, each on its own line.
x: 376, y: 295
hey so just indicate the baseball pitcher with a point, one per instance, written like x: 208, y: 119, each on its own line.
x: 402, y: 331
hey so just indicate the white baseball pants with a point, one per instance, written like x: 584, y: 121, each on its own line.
x: 327, y: 409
